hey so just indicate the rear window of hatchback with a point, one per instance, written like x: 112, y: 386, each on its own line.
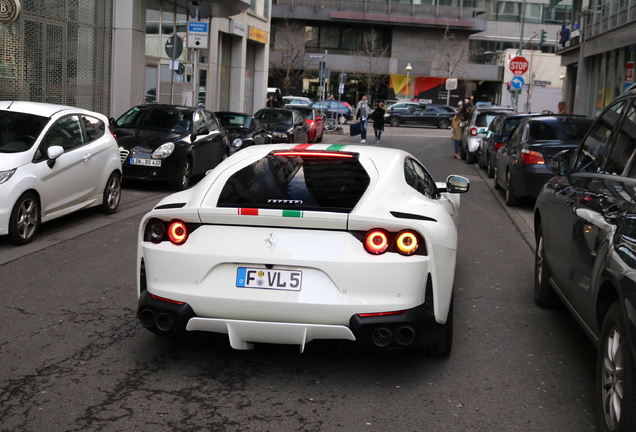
x: 300, y: 182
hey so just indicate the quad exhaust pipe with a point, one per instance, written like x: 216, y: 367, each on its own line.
x: 163, y: 322
x: 382, y: 336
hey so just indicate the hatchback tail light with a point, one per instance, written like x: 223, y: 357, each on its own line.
x: 532, y: 157
x: 473, y: 131
x: 498, y: 145
x: 407, y: 242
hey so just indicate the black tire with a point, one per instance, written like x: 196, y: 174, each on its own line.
x: 443, y: 124
x: 25, y: 219
x: 112, y: 194
x: 394, y: 121
x: 442, y: 346
x: 511, y: 199
x: 183, y: 175
x: 544, y: 295
x: 490, y: 170
x: 496, y: 177
x: 470, y: 158
x: 615, y: 375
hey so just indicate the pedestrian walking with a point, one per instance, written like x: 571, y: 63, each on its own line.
x: 378, y: 121
x: 270, y: 102
x: 362, y: 112
x: 562, y: 108
x: 458, y: 130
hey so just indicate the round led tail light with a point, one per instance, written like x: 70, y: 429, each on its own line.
x: 376, y: 241
x: 155, y: 231
x: 407, y: 243
x: 177, y: 232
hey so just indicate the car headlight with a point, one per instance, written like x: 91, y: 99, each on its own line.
x: 279, y: 134
x: 237, y: 143
x: 6, y: 175
x: 163, y: 151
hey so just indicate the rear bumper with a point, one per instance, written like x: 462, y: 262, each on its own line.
x: 411, y: 328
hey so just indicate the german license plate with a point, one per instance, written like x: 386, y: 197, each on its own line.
x: 145, y: 162
x: 289, y: 280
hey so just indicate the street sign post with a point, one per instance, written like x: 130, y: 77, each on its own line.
x: 197, y: 34
x: 517, y: 83
x: 174, y: 48
x: 519, y: 65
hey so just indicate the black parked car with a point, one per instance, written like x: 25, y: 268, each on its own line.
x: 243, y: 130
x: 425, y: 115
x: 522, y: 165
x: 169, y: 143
x: 331, y: 107
x: 585, y: 229
x: 497, y: 135
x: 284, y: 125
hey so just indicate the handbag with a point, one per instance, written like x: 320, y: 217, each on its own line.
x: 355, y: 129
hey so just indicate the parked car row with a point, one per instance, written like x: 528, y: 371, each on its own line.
x: 582, y: 173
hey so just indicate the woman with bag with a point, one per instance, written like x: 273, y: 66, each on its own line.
x: 378, y: 121
x: 458, y: 129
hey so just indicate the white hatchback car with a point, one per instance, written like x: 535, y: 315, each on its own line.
x: 290, y: 243
x: 54, y: 160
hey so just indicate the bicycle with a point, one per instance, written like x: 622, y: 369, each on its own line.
x: 329, y: 120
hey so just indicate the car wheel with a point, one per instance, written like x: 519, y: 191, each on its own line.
x: 495, y: 175
x: 112, y: 194
x: 490, y: 170
x: 511, y: 199
x: 470, y: 158
x: 25, y: 219
x: 319, y: 139
x: 183, y: 175
x: 442, y: 346
x: 394, y: 121
x: 544, y: 295
x: 443, y: 124
x: 615, y: 375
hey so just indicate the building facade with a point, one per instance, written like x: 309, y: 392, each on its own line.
x: 599, y: 53
x: 109, y: 55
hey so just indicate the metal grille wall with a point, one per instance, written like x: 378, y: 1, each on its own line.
x: 59, y: 51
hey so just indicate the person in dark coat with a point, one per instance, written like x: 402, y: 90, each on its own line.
x: 378, y: 120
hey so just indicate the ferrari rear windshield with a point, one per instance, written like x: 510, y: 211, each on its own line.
x: 301, y: 181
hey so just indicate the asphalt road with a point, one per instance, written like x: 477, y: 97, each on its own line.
x: 74, y: 358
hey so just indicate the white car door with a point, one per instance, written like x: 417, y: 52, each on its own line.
x: 71, y: 179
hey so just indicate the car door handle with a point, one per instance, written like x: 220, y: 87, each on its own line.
x: 87, y: 156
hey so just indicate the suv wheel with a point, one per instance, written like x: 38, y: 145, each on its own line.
x: 544, y: 295
x: 615, y: 380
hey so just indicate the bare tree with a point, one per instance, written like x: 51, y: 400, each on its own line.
x: 370, y: 60
x: 451, y: 58
x: 287, y: 58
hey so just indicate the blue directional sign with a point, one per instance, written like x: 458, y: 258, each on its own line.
x: 517, y: 83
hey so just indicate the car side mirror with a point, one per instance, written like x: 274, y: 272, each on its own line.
x: 560, y: 162
x: 462, y: 124
x: 202, y: 131
x: 112, y: 121
x: 53, y: 153
x: 457, y: 184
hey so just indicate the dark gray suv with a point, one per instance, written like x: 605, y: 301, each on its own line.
x: 585, y: 228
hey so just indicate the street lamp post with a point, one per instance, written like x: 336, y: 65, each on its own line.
x: 408, y: 71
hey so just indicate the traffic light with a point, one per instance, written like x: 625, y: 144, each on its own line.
x: 543, y: 35
x: 509, y: 85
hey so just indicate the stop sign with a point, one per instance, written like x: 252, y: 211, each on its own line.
x: 519, y: 65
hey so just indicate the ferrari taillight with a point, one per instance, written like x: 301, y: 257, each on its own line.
x: 532, y: 157
x: 177, y: 232
x: 376, y: 242
x: 407, y: 242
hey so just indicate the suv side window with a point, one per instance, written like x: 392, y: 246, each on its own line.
x: 590, y: 157
x: 621, y: 158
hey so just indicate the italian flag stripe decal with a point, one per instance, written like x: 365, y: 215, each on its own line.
x: 336, y: 147
x: 272, y: 212
x: 332, y: 147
